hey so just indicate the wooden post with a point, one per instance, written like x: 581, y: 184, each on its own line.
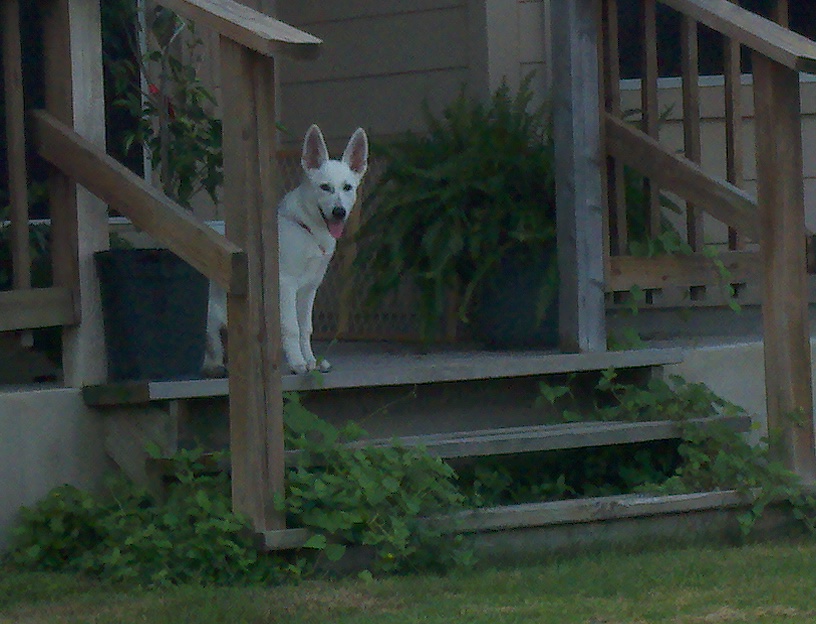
x: 72, y: 39
x: 780, y: 195
x: 579, y: 166
x: 251, y: 194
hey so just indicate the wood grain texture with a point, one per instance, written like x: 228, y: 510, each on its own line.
x: 33, y: 308
x: 579, y: 194
x: 734, y: 142
x: 366, y: 369
x: 147, y: 207
x: 15, y: 142
x: 780, y: 192
x: 679, y: 175
x: 691, y: 122
x: 680, y: 270
x: 251, y: 192
x: 248, y: 27
x: 764, y: 36
x: 73, y: 85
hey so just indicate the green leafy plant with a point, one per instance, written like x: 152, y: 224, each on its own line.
x: 712, y: 456
x: 476, y: 186
x: 161, y: 91
x: 128, y: 535
x: 380, y: 498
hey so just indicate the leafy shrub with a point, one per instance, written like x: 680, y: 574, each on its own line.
x: 129, y: 535
x: 379, y: 498
x: 376, y: 497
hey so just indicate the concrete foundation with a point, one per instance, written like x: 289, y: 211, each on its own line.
x: 47, y: 437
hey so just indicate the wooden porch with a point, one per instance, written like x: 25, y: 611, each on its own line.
x: 768, y: 237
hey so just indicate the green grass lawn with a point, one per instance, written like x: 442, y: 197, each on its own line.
x: 755, y: 583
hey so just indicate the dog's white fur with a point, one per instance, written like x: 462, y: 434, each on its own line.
x: 310, y: 220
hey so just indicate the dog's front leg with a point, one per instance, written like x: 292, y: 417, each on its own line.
x: 290, y: 335
x: 305, y: 305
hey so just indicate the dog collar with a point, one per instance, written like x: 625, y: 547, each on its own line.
x: 309, y: 230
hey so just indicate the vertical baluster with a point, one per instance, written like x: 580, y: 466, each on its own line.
x: 649, y: 103
x: 691, y: 121
x: 618, y: 239
x: 781, y: 13
x: 15, y: 143
x: 734, y: 151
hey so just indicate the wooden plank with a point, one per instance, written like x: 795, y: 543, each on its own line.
x: 147, y: 207
x: 650, y: 113
x: 511, y: 440
x: 367, y: 370
x: 781, y: 13
x: 677, y: 174
x: 786, y: 333
x: 251, y: 186
x: 691, y: 122
x: 769, y: 39
x: 578, y: 152
x: 734, y: 142
x: 593, y: 510
x: 33, y: 308
x: 693, y: 270
x: 72, y: 58
x: 15, y: 142
x: 248, y: 27
x: 618, y: 239
x: 556, y: 513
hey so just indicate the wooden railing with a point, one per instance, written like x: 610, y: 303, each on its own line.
x: 244, y: 263
x: 23, y: 307
x: 774, y: 219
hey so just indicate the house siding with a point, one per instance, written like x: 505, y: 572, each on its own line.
x: 381, y: 60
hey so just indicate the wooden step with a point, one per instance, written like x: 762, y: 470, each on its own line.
x: 377, y: 368
x: 574, y: 512
x: 512, y: 440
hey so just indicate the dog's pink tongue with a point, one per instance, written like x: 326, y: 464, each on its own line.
x: 336, y: 228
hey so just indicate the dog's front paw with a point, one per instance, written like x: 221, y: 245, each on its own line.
x: 299, y: 369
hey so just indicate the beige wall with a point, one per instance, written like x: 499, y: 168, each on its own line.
x: 382, y: 58
x: 47, y: 438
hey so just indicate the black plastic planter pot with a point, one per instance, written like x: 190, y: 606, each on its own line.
x: 518, y: 306
x: 154, y: 308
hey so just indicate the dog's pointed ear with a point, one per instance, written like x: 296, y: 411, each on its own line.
x: 356, y: 154
x: 315, y: 152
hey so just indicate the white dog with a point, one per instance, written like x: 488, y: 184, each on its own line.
x: 310, y: 220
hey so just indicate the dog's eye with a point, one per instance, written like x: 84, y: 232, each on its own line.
x: 347, y: 187
x: 326, y: 187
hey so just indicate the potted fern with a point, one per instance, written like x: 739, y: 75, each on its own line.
x: 463, y: 210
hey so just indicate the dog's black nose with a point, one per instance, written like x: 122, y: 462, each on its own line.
x: 339, y: 212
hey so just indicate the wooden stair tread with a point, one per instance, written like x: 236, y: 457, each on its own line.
x: 510, y: 440
x: 369, y: 370
x: 526, y: 439
x: 554, y: 513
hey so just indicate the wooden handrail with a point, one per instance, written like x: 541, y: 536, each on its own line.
x: 754, y: 31
x: 677, y: 174
x: 147, y: 207
x: 250, y: 28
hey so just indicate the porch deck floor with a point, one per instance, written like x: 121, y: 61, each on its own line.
x: 360, y: 365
